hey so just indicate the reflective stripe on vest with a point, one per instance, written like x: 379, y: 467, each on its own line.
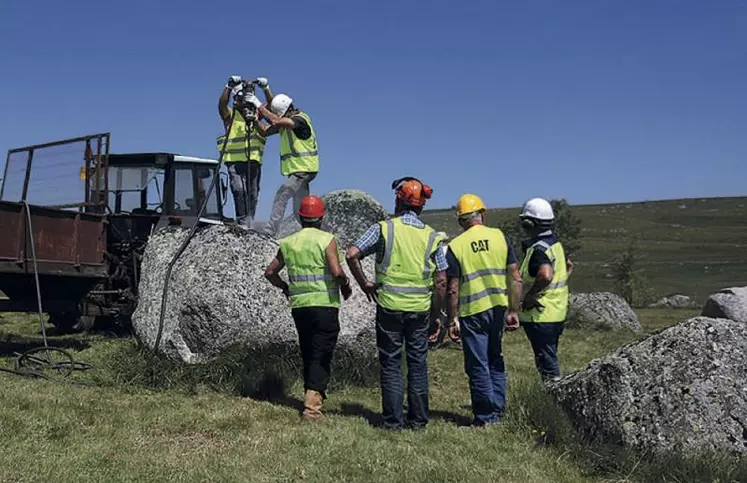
x: 310, y: 283
x: 405, y: 273
x: 239, y: 143
x: 298, y: 155
x: 482, y: 253
x: 553, y: 299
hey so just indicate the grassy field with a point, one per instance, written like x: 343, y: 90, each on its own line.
x: 121, y: 430
x: 688, y: 246
x: 131, y: 418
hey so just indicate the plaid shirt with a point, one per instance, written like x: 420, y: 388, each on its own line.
x: 372, y: 242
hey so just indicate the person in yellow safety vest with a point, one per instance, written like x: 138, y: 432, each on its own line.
x: 484, y: 292
x: 316, y: 280
x: 409, y: 267
x: 299, y: 153
x: 545, y: 270
x: 243, y: 150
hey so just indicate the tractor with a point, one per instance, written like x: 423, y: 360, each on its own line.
x: 75, y: 220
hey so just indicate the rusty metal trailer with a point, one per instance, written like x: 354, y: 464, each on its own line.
x: 69, y: 238
x: 88, y: 215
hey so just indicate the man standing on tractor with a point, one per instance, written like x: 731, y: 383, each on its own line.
x: 316, y: 280
x: 484, y: 290
x: 545, y: 271
x: 299, y: 153
x: 409, y: 267
x: 243, y: 149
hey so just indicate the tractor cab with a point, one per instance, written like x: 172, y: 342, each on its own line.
x: 150, y: 190
x: 147, y: 191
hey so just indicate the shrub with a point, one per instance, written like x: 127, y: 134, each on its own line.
x: 628, y: 278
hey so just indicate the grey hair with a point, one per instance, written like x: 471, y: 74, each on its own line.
x: 470, y: 216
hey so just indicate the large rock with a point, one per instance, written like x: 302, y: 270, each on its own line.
x: 677, y: 301
x: 601, y: 310
x: 730, y: 303
x: 682, y: 389
x: 218, y: 297
x: 349, y: 214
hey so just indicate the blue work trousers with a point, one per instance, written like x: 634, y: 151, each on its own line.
x: 393, y: 330
x: 483, y: 362
x: 544, y: 338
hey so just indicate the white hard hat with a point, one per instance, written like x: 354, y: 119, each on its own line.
x: 280, y: 104
x: 539, y: 209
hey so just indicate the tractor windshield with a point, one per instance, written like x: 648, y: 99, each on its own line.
x: 135, y: 188
x: 192, y: 181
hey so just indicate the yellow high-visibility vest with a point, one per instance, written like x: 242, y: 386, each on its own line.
x: 481, y: 253
x: 406, y: 271
x: 554, y: 298
x: 298, y: 155
x: 242, y: 147
x: 310, y: 283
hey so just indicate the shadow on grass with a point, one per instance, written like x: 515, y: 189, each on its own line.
x: 374, y: 418
x: 536, y: 413
x: 265, y: 374
x: 260, y: 373
x: 9, y: 345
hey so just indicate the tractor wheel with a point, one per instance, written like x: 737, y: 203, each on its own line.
x: 71, y: 322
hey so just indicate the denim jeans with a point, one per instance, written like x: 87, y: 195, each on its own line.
x: 544, y: 338
x: 483, y: 362
x: 392, y: 329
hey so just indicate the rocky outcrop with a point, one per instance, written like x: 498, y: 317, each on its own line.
x: 677, y: 301
x: 601, y: 310
x: 349, y: 214
x: 682, y: 389
x: 730, y: 303
x: 218, y: 297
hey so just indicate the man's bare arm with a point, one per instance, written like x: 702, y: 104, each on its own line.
x: 569, y: 266
x: 271, y: 273
x: 224, y: 111
x: 352, y: 256
x: 542, y: 280
x: 265, y: 130
x: 268, y: 94
x: 516, y: 287
x: 452, y: 294
x: 333, y: 262
x: 275, y: 120
x: 439, y: 289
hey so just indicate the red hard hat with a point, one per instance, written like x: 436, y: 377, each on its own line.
x: 311, y: 207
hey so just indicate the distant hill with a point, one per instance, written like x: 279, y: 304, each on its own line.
x: 691, y: 246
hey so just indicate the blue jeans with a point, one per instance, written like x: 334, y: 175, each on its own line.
x: 544, y: 338
x: 483, y: 362
x: 392, y: 328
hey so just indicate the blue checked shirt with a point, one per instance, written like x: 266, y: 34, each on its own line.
x: 372, y: 242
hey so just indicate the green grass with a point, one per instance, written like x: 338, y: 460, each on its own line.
x: 122, y: 429
x: 690, y: 246
x: 144, y: 419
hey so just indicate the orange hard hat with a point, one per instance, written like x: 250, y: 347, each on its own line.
x: 311, y: 207
x: 412, y: 191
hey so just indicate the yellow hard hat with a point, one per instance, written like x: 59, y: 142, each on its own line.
x: 469, y: 204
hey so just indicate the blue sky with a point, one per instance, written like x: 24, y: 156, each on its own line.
x: 591, y: 100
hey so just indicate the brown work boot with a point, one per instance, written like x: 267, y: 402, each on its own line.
x: 312, y: 406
